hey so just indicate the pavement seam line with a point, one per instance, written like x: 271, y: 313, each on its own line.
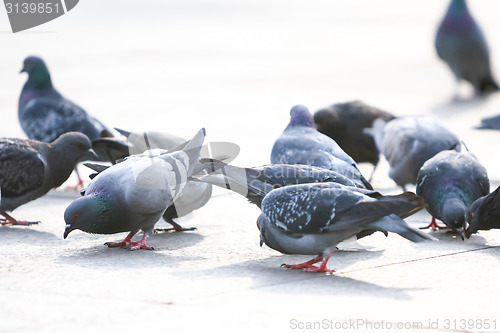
x: 418, y: 259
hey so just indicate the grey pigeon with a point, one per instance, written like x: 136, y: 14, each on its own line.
x: 196, y: 194
x: 312, y: 219
x: 449, y: 183
x: 301, y: 143
x: 461, y: 44
x: 45, y: 114
x: 484, y: 213
x: 408, y: 142
x: 29, y: 168
x: 134, y: 194
x: 345, y: 123
x: 255, y: 183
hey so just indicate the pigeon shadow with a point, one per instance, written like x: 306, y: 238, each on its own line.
x: 454, y: 106
x: 25, y: 235
x: 266, y: 274
x: 104, y: 258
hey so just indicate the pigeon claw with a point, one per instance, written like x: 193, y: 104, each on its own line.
x: 115, y: 244
x: 132, y: 246
x: 180, y: 229
x: 137, y: 246
x: 309, y: 266
x: 319, y: 269
x: 13, y: 221
x: 304, y: 265
x: 433, y: 225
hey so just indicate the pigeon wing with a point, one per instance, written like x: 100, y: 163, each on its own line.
x: 22, y: 169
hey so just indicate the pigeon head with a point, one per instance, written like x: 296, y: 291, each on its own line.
x: 38, y: 73
x: 90, y: 213
x: 473, y: 217
x: 75, y: 146
x: 454, y: 212
x: 300, y: 116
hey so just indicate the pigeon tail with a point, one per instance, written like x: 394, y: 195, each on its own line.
x: 236, y: 179
x: 395, y: 224
x: 193, y: 148
x: 487, y: 86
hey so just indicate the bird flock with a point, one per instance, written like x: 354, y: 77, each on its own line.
x: 312, y: 195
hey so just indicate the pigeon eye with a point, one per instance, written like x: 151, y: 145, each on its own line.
x: 471, y: 215
x: 76, y: 216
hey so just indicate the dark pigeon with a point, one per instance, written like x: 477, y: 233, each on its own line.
x: 255, y: 183
x: 408, y: 142
x: 449, y: 183
x: 312, y: 219
x: 484, y: 213
x: 134, y: 194
x: 301, y: 143
x: 29, y: 168
x: 45, y: 114
x: 461, y: 44
x: 345, y: 123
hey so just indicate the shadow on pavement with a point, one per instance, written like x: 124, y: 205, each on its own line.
x: 166, y: 251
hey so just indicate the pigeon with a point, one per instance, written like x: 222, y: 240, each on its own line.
x: 408, y: 142
x: 255, y: 183
x: 449, y: 183
x: 134, y: 194
x: 484, y: 213
x: 45, y: 114
x: 195, y: 195
x: 311, y: 219
x: 345, y: 123
x: 29, y: 168
x: 461, y: 44
x: 301, y: 143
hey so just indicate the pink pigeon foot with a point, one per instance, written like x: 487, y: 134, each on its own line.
x: 433, y: 225
x: 9, y: 220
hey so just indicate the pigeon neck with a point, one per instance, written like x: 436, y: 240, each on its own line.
x: 458, y: 7
x: 457, y: 17
x: 60, y: 162
x: 38, y: 84
x: 39, y: 80
x: 302, y: 119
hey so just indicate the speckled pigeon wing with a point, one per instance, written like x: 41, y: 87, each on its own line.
x: 22, y: 169
x: 46, y: 118
x: 308, y: 208
x: 285, y: 174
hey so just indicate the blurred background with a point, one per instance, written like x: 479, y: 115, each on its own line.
x: 237, y: 67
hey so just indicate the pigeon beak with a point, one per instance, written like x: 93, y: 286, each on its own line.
x: 23, y: 70
x: 69, y: 228
x: 461, y: 233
